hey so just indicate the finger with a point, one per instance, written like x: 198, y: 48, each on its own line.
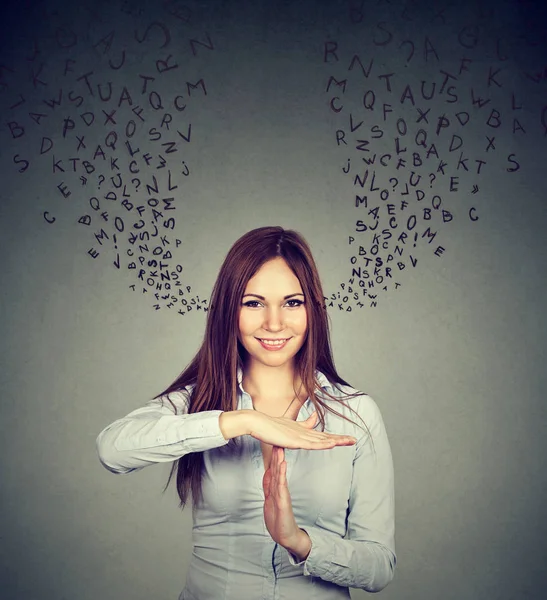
x: 327, y: 444
x: 282, y: 468
x: 280, y: 463
x: 266, y: 482
x: 339, y: 440
x: 345, y: 439
x: 343, y: 442
x: 283, y: 474
x: 322, y: 443
x: 310, y: 422
x: 274, y: 465
x: 281, y: 490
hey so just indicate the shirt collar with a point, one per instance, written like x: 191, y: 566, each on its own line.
x: 321, y: 378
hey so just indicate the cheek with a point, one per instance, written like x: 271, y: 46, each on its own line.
x: 242, y: 324
x: 248, y: 322
x: 300, y: 323
x: 304, y: 323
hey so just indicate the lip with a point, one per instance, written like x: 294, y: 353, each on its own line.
x: 273, y: 348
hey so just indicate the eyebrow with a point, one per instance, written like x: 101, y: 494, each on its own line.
x: 284, y: 297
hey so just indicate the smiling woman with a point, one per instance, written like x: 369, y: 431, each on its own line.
x: 272, y: 327
x: 291, y: 497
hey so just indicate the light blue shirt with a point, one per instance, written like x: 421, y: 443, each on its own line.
x: 342, y: 497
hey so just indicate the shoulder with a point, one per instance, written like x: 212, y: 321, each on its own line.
x: 356, y: 400
x: 177, y: 401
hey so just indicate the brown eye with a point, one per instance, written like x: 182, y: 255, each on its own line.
x: 295, y: 303
x: 251, y: 303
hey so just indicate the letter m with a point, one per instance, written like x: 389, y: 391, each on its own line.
x: 191, y: 86
x: 101, y: 235
x: 341, y: 84
x: 430, y: 236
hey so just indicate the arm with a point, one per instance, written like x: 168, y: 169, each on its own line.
x: 367, y: 559
x: 156, y: 433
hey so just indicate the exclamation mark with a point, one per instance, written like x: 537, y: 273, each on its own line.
x: 415, y: 239
x: 116, y: 262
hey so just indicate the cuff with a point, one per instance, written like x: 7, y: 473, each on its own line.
x: 315, y: 542
x: 203, y: 431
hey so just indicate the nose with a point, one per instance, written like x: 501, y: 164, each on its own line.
x: 273, y: 319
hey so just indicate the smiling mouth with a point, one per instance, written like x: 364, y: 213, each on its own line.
x: 273, y: 343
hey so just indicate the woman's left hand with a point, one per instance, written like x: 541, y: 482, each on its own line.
x: 278, y: 513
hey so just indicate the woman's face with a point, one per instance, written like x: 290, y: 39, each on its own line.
x: 272, y: 319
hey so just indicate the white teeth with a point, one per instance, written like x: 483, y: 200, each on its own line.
x: 273, y: 343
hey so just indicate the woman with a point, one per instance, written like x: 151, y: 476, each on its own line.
x: 260, y: 426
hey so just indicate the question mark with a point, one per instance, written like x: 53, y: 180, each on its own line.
x: 409, y: 57
x: 137, y: 185
x: 395, y: 184
x: 432, y: 178
x: 101, y: 180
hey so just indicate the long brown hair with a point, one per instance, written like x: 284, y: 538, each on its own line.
x: 213, y: 370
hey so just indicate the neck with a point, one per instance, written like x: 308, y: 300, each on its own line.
x: 271, y: 383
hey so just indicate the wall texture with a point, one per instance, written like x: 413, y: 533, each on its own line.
x: 405, y: 140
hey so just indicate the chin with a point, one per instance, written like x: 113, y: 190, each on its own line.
x: 278, y: 363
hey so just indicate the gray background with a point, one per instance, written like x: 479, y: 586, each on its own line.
x: 455, y: 356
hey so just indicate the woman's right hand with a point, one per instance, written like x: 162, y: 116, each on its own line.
x: 287, y: 433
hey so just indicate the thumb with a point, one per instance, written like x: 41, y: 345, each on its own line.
x: 311, y: 420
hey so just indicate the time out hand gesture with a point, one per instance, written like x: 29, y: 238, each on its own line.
x: 278, y: 513
x: 287, y: 433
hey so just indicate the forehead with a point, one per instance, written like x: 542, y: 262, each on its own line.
x: 274, y: 276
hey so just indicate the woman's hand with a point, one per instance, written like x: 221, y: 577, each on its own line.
x: 278, y: 513
x: 287, y: 433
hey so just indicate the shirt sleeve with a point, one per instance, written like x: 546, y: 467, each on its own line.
x: 366, y: 558
x: 160, y: 431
